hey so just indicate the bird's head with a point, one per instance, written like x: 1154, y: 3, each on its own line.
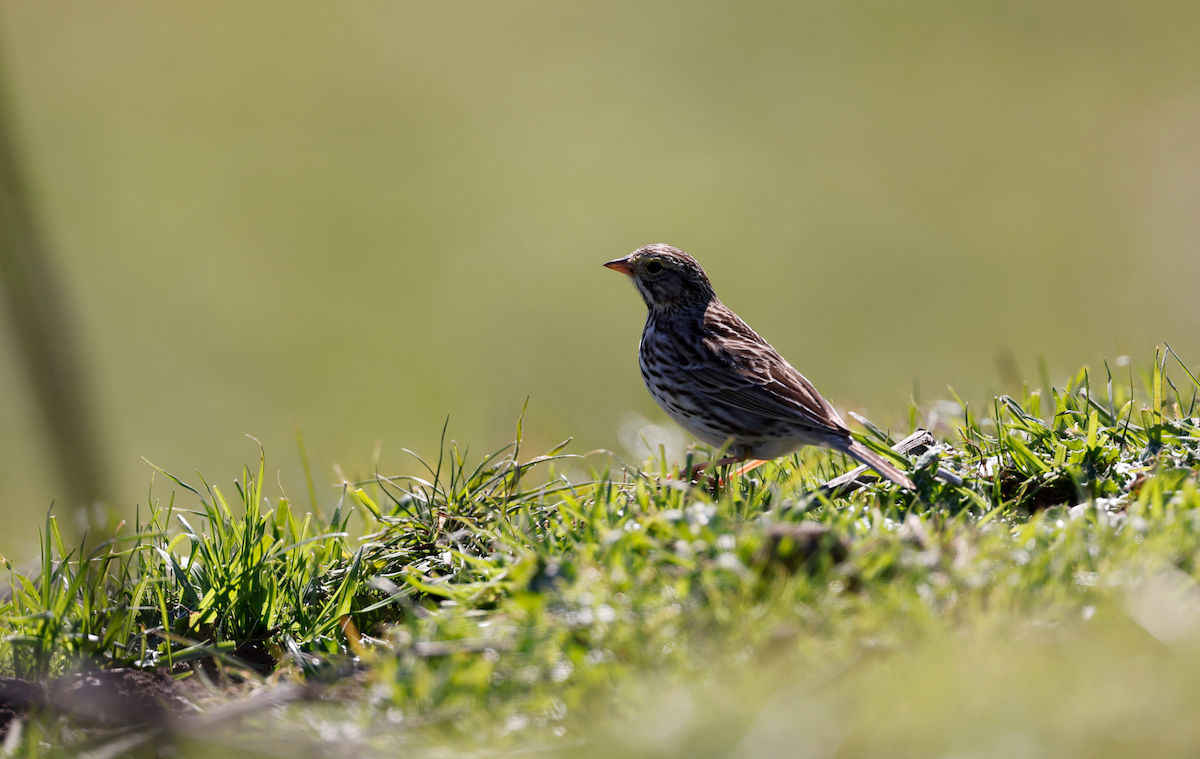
x: 665, y: 276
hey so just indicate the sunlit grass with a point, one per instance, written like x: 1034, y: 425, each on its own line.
x: 1045, y: 604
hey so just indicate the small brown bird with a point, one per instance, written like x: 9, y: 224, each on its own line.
x: 718, y: 379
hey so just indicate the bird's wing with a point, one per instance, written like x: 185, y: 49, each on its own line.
x: 741, y: 369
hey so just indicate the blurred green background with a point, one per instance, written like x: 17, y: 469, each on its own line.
x: 364, y: 216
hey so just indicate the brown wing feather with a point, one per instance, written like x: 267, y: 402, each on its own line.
x: 744, y: 371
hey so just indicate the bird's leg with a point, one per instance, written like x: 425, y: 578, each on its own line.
x: 747, y: 467
x: 698, y: 468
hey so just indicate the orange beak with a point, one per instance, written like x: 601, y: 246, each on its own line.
x: 622, y: 265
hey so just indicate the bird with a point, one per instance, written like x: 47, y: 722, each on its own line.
x: 719, y: 380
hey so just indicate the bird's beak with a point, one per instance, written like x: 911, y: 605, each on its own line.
x: 622, y: 265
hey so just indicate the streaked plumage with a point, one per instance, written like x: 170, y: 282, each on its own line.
x: 718, y: 379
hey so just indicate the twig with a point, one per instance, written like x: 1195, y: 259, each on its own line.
x: 915, y: 444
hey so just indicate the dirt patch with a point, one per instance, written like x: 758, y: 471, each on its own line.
x: 108, y: 698
x: 800, y: 546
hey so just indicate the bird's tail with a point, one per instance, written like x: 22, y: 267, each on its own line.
x: 872, y: 459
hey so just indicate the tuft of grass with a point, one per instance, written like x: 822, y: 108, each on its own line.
x: 498, y: 605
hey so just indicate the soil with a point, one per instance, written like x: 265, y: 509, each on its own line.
x: 792, y: 547
x: 107, y: 698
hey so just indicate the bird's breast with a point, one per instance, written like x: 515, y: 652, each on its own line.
x: 665, y: 369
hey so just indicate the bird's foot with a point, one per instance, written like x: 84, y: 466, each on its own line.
x: 749, y: 466
x: 714, y: 482
x: 692, y: 475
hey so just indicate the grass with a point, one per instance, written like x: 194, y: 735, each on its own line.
x: 1046, y: 605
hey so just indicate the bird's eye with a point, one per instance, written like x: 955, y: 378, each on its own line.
x: 654, y: 267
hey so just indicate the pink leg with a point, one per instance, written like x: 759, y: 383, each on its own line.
x: 719, y: 462
x: 750, y: 466
x: 747, y: 467
x: 698, y: 468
